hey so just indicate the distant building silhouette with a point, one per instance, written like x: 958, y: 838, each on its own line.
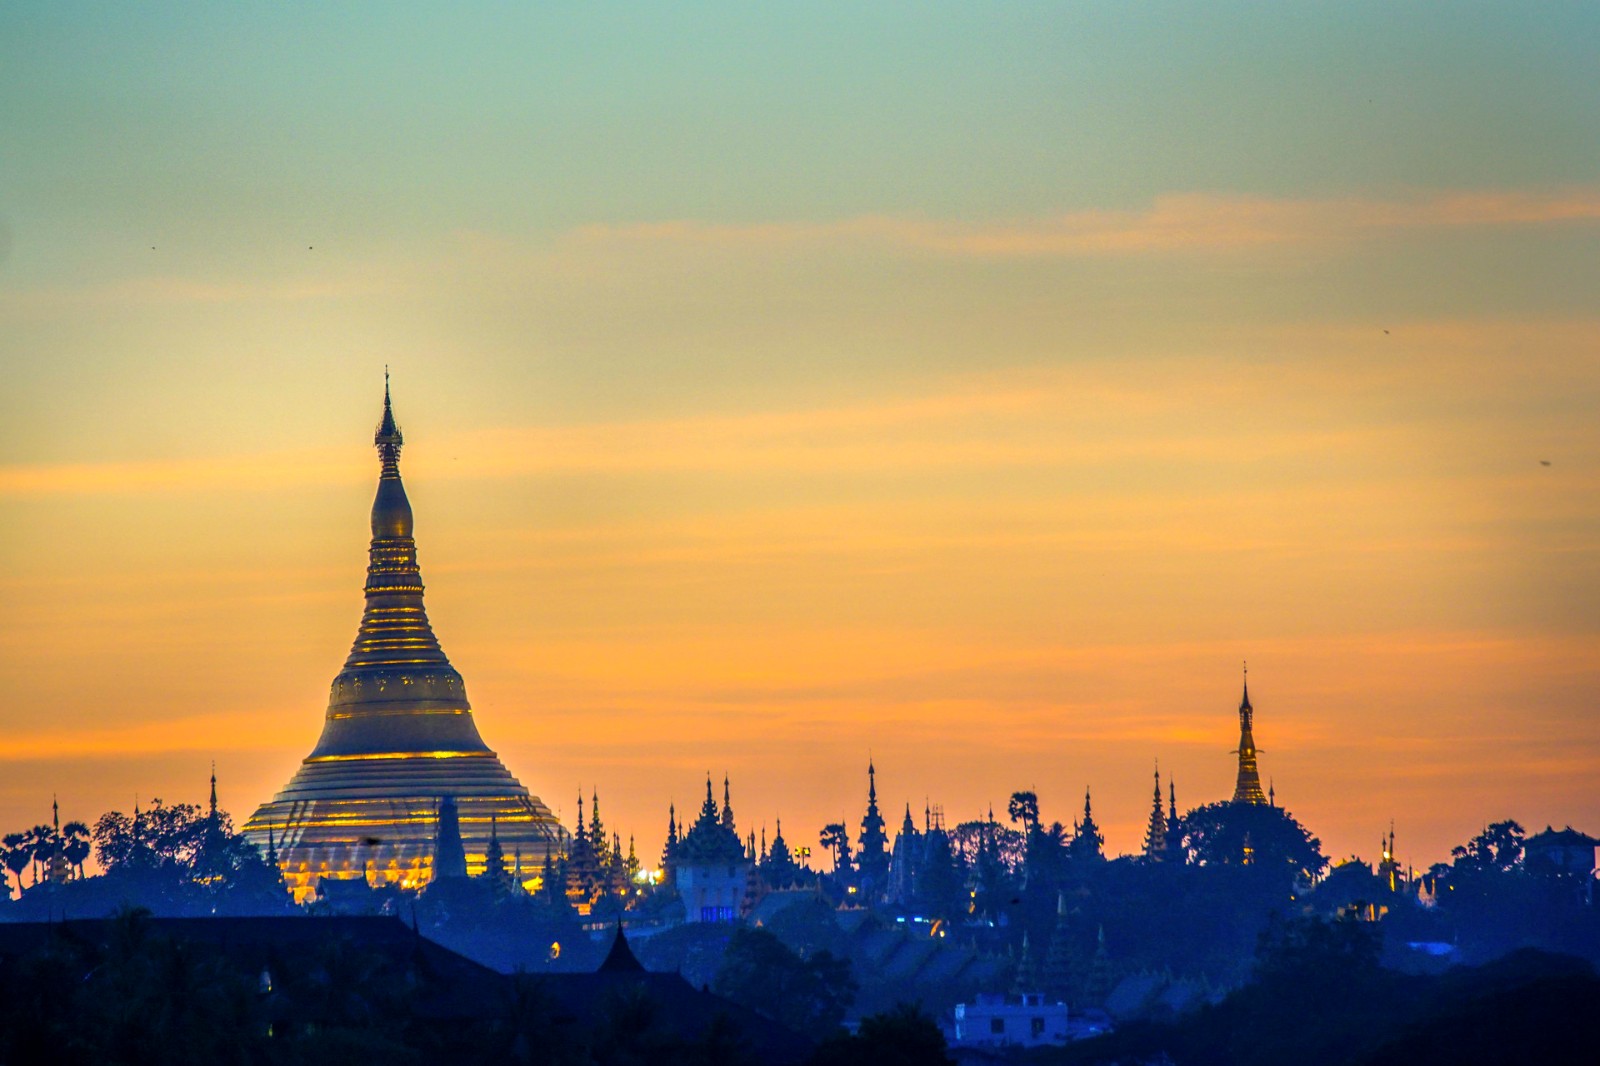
x: 710, y: 867
x: 903, y: 862
x: 872, y: 860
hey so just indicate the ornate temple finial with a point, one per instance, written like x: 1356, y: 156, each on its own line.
x: 1247, y: 787
x: 388, y: 439
x: 872, y: 781
x: 213, y: 788
x: 1155, y: 837
x: 55, y: 812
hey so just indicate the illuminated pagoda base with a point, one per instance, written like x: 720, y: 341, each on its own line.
x: 398, y: 738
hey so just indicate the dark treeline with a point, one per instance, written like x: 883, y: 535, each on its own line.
x: 990, y: 906
x: 1319, y: 997
x: 132, y: 991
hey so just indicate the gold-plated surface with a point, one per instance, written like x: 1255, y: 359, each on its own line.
x: 398, y: 736
x: 1247, y: 789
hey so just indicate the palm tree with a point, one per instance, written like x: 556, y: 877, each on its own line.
x: 836, y: 838
x: 43, y: 840
x: 76, y: 844
x: 17, y: 854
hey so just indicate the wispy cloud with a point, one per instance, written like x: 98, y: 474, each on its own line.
x: 1341, y: 395
x: 1178, y: 223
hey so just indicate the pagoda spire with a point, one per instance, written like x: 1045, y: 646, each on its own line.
x: 872, y: 859
x: 213, y: 789
x: 1175, y: 849
x: 1087, y: 840
x: 1155, y: 836
x: 398, y: 728
x: 727, y: 803
x: 1248, y: 787
x: 397, y: 691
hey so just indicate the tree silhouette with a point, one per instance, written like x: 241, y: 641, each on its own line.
x: 1234, y: 834
x: 1024, y: 808
x: 1497, y: 849
x: 836, y: 838
x: 17, y: 856
x: 808, y: 995
x: 75, y: 844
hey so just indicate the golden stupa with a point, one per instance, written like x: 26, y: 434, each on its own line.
x: 398, y: 740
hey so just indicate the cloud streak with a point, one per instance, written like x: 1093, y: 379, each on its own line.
x: 1172, y: 224
x: 1341, y: 396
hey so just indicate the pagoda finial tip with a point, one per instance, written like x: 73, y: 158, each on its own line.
x: 388, y: 438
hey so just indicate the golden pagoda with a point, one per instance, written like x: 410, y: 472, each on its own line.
x: 398, y: 741
x: 1247, y: 789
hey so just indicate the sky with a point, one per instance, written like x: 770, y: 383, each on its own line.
x: 973, y: 388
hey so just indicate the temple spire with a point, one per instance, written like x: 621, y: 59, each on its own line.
x: 388, y: 438
x: 1155, y: 837
x: 213, y: 789
x: 1247, y: 789
x: 397, y: 691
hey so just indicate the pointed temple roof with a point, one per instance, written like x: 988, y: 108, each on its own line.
x: 621, y: 959
x: 712, y: 839
x: 398, y: 734
x: 1155, y: 835
x: 1247, y: 789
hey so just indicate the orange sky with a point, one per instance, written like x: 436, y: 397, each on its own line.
x: 931, y: 410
